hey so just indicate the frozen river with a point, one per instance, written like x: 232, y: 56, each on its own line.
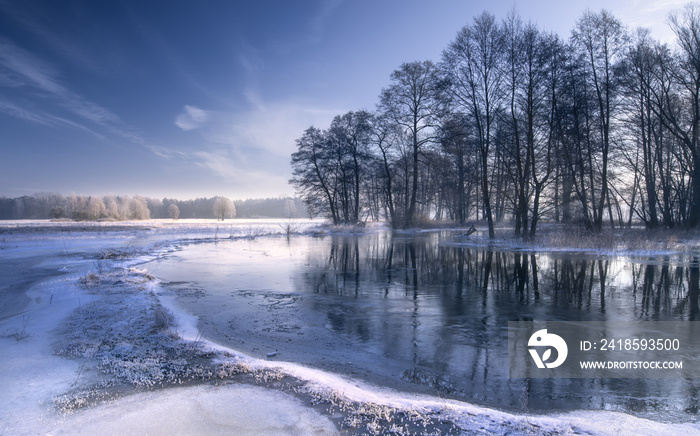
x: 331, y: 334
x: 424, y: 313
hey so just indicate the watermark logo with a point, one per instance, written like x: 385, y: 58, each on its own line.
x: 604, y: 349
x: 541, y: 340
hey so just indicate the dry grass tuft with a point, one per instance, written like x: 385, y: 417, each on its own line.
x: 634, y: 240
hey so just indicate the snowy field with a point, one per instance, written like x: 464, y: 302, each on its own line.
x: 92, y: 344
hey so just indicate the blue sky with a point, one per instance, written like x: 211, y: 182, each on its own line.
x: 188, y: 99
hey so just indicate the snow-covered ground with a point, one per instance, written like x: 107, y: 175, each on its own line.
x: 98, y: 347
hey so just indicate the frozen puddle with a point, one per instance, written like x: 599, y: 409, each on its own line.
x: 198, y: 410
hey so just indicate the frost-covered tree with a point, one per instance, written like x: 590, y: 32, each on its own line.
x: 224, y: 208
x: 290, y: 209
x: 123, y: 207
x: 173, y: 211
x: 96, y: 208
x: 112, y: 207
x: 139, y: 209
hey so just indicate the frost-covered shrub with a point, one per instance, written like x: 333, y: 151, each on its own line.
x: 229, y: 369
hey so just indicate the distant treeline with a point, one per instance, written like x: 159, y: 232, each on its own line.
x: 124, y: 207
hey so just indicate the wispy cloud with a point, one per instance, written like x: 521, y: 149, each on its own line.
x: 38, y: 22
x: 313, y: 31
x: 172, y: 56
x: 192, y: 118
x: 663, y: 6
x: 234, y: 170
x: 219, y: 162
x: 21, y: 69
x: 269, y: 126
x: 248, y: 150
x: 38, y: 116
x: 167, y: 153
x: 650, y: 14
x: 249, y: 58
x: 319, y: 22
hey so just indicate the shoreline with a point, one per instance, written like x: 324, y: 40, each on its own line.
x: 390, y: 392
x: 483, y: 418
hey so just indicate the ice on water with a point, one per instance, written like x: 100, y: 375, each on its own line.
x: 32, y: 376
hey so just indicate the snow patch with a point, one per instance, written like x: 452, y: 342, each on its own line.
x: 198, y: 410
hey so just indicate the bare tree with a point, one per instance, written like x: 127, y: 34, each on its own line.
x: 313, y: 174
x: 472, y: 63
x: 384, y: 138
x: 602, y: 40
x: 410, y: 102
x: 458, y: 145
x: 681, y: 110
x: 349, y: 136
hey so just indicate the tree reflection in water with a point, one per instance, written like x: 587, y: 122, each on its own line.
x: 443, y: 311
